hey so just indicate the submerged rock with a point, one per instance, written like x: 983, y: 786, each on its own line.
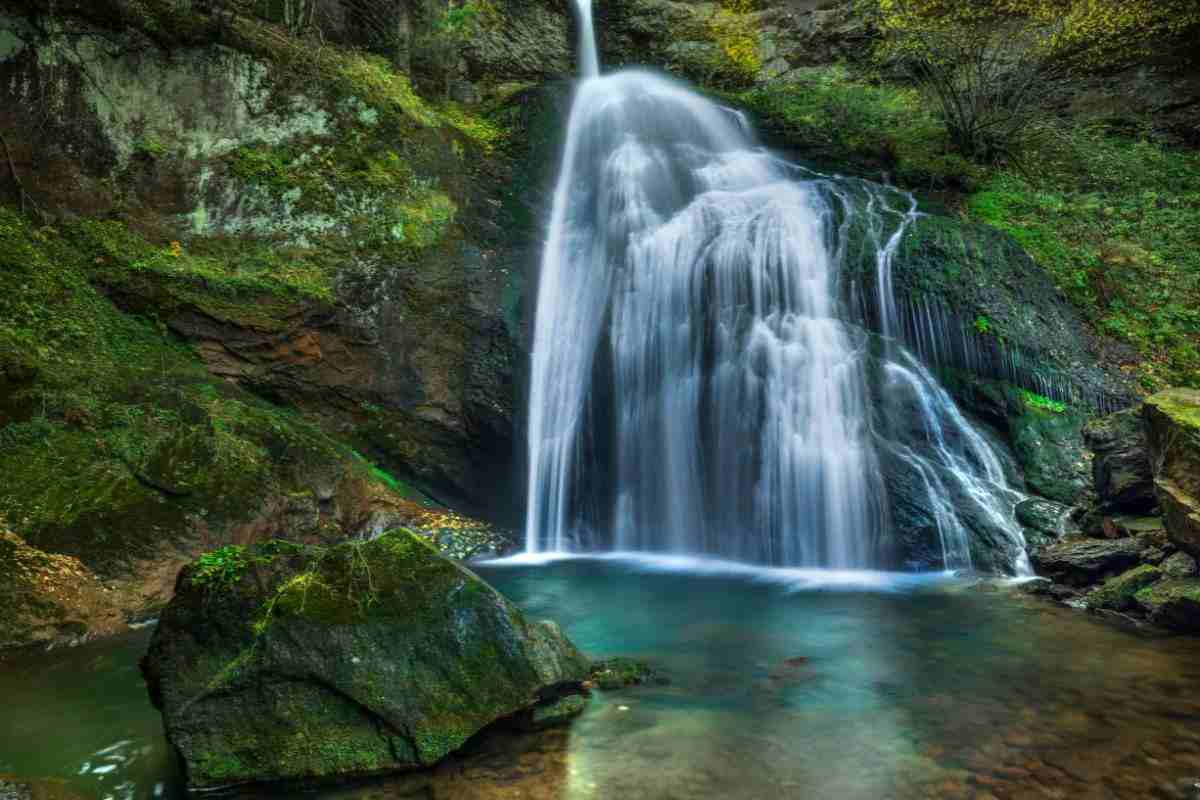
x: 1173, y: 419
x: 619, y: 673
x: 20, y: 789
x: 292, y: 662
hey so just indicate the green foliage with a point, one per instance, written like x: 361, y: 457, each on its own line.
x: 835, y: 117
x: 1117, y: 224
x: 1041, y: 402
x: 462, y: 21
x: 151, y: 146
x: 119, y: 438
x: 735, y: 32
x: 1114, y: 220
x: 1087, y: 33
x: 220, y: 568
x: 982, y: 325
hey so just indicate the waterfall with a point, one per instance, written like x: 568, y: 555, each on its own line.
x: 700, y: 383
x: 589, y: 61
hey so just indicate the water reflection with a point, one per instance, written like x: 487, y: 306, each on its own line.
x: 913, y: 687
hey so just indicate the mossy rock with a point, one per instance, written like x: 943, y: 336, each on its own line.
x: 1117, y: 594
x: 289, y: 662
x: 1049, y: 446
x: 621, y: 672
x: 1013, y: 323
x: 1173, y: 422
x: 1173, y: 603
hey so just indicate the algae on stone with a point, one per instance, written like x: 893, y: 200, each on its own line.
x: 1117, y: 594
x: 1173, y: 603
x: 1173, y: 418
x: 364, y: 657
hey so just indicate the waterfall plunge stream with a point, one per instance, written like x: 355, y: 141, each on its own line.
x: 700, y: 383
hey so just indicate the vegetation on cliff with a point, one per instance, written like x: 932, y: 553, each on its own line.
x: 1112, y: 214
x: 115, y: 435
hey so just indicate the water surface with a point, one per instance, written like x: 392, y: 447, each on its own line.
x: 784, y: 683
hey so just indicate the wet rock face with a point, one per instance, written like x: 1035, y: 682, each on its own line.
x: 1173, y: 420
x: 1121, y: 466
x: 1050, y: 449
x: 409, y: 335
x: 686, y: 39
x: 1042, y: 519
x: 293, y: 662
x: 50, y: 599
x: 1084, y: 561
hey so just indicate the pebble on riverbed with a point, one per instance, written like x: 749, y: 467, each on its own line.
x: 13, y: 789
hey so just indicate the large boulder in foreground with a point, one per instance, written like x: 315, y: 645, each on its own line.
x: 285, y: 662
x: 1173, y: 421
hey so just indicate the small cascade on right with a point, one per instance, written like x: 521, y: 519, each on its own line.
x: 959, y: 472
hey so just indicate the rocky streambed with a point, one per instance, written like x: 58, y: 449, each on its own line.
x: 856, y: 686
x: 1132, y: 552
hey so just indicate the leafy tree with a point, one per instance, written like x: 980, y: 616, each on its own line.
x: 1090, y: 33
x: 990, y: 74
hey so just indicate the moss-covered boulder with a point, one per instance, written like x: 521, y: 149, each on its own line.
x: 285, y: 662
x: 1046, y: 440
x: 1173, y: 603
x: 621, y: 673
x: 1117, y: 594
x: 1173, y: 420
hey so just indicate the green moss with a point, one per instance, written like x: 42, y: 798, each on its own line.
x: 1159, y: 594
x: 1041, y: 402
x: 1181, y: 407
x: 1173, y: 603
x: 220, y: 568
x: 620, y: 672
x: 838, y: 119
x: 1117, y: 225
x: 1117, y: 594
x: 121, y: 439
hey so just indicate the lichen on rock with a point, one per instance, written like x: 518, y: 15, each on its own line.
x: 1173, y: 419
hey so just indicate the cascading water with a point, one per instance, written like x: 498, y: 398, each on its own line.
x: 698, y: 384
